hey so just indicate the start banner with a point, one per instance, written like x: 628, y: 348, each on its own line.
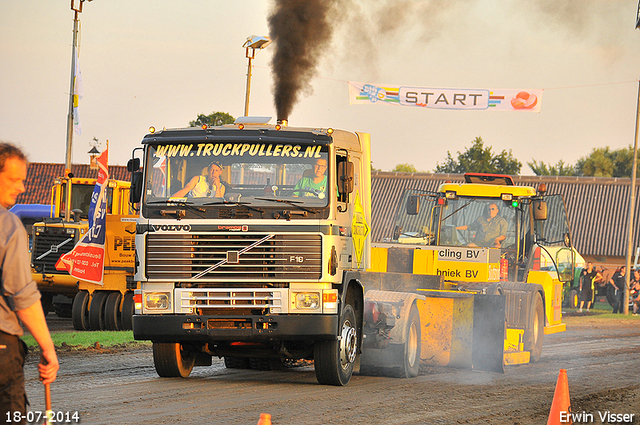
x: 86, y: 260
x: 446, y: 98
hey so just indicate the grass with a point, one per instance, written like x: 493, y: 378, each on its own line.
x: 86, y: 339
x: 602, y: 310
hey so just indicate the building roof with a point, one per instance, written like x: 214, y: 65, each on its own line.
x: 40, y: 178
x: 597, y: 207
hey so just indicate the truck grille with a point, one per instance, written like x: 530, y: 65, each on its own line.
x: 240, y: 257
x: 211, y: 299
x: 48, y: 246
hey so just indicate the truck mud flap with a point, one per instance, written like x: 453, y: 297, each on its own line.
x: 463, y: 330
x: 488, y: 332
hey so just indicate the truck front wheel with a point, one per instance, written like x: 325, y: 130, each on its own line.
x: 172, y: 359
x: 334, y: 360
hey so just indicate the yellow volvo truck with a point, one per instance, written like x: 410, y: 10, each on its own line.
x: 253, y: 243
x: 91, y: 306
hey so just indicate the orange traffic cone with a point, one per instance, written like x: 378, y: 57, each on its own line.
x: 265, y: 419
x: 561, y: 407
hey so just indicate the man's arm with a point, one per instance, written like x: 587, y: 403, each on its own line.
x: 33, y: 318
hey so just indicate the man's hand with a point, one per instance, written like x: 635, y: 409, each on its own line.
x: 48, y: 367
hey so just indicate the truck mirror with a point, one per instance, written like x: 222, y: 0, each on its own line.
x: 413, y: 205
x: 345, y: 177
x: 133, y: 165
x: 135, y: 193
x: 539, y: 210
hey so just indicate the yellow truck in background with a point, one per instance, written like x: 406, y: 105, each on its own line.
x: 279, y: 268
x: 91, y: 306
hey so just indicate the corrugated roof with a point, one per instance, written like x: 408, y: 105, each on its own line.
x: 40, y: 178
x: 598, y: 208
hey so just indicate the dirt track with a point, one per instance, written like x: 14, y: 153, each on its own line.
x: 121, y: 387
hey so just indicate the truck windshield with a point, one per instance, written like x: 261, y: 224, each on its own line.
x: 207, y: 175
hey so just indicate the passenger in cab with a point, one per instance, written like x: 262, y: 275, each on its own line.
x: 209, y: 185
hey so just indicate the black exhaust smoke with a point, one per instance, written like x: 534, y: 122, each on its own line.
x: 300, y: 31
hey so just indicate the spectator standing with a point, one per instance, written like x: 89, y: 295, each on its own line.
x: 587, y: 278
x: 19, y: 295
x: 634, y: 290
x: 618, y: 281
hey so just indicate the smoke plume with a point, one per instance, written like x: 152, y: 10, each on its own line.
x: 301, y: 31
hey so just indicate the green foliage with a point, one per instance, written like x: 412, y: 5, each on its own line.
x: 213, y: 119
x: 478, y: 159
x: 601, y: 162
x: 560, y: 169
x: 405, y: 168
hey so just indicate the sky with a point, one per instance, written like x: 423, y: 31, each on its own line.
x: 161, y: 63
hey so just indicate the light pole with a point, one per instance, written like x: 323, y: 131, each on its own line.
x: 254, y: 42
x: 76, y: 6
x: 632, y: 196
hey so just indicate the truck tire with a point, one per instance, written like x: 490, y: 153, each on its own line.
x: 334, y: 359
x: 112, y: 315
x: 80, y: 311
x: 46, y: 299
x: 412, y: 345
x: 172, y: 360
x: 236, y: 362
x: 96, y: 310
x: 128, y: 308
x: 574, y: 301
x: 535, y: 331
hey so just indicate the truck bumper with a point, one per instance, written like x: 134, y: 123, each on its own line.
x: 173, y: 328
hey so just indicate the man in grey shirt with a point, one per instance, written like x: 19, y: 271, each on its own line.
x: 19, y: 295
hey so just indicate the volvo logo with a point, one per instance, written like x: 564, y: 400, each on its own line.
x: 172, y: 227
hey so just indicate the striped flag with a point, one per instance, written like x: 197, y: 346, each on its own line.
x: 86, y: 260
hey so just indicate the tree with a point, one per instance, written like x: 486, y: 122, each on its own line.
x: 560, y: 169
x: 478, y: 159
x: 603, y: 162
x: 405, y: 168
x: 213, y: 119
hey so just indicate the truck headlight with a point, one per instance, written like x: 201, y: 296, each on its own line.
x: 307, y: 300
x: 157, y: 301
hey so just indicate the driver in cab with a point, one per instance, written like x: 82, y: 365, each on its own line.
x: 491, y: 229
x: 314, y: 185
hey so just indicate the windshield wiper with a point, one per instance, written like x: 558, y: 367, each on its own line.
x: 185, y: 204
x: 462, y: 207
x: 292, y: 203
x: 242, y: 204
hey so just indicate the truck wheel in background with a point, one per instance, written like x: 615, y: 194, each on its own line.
x: 80, y: 311
x: 46, y: 299
x: 334, y: 359
x: 236, y: 362
x: 573, y: 300
x: 112, y: 316
x: 96, y: 310
x: 411, y: 351
x: 128, y: 308
x: 172, y: 359
x: 535, y: 331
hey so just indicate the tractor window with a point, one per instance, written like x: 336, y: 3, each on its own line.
x: 482, y: 222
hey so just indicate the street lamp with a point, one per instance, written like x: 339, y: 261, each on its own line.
x: 254, y: 42
x: 76, y: 6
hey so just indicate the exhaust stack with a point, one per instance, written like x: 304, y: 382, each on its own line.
x: 283, y: 122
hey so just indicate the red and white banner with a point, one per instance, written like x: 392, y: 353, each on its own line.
x: 446, y: 98
x: 86, y: 260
